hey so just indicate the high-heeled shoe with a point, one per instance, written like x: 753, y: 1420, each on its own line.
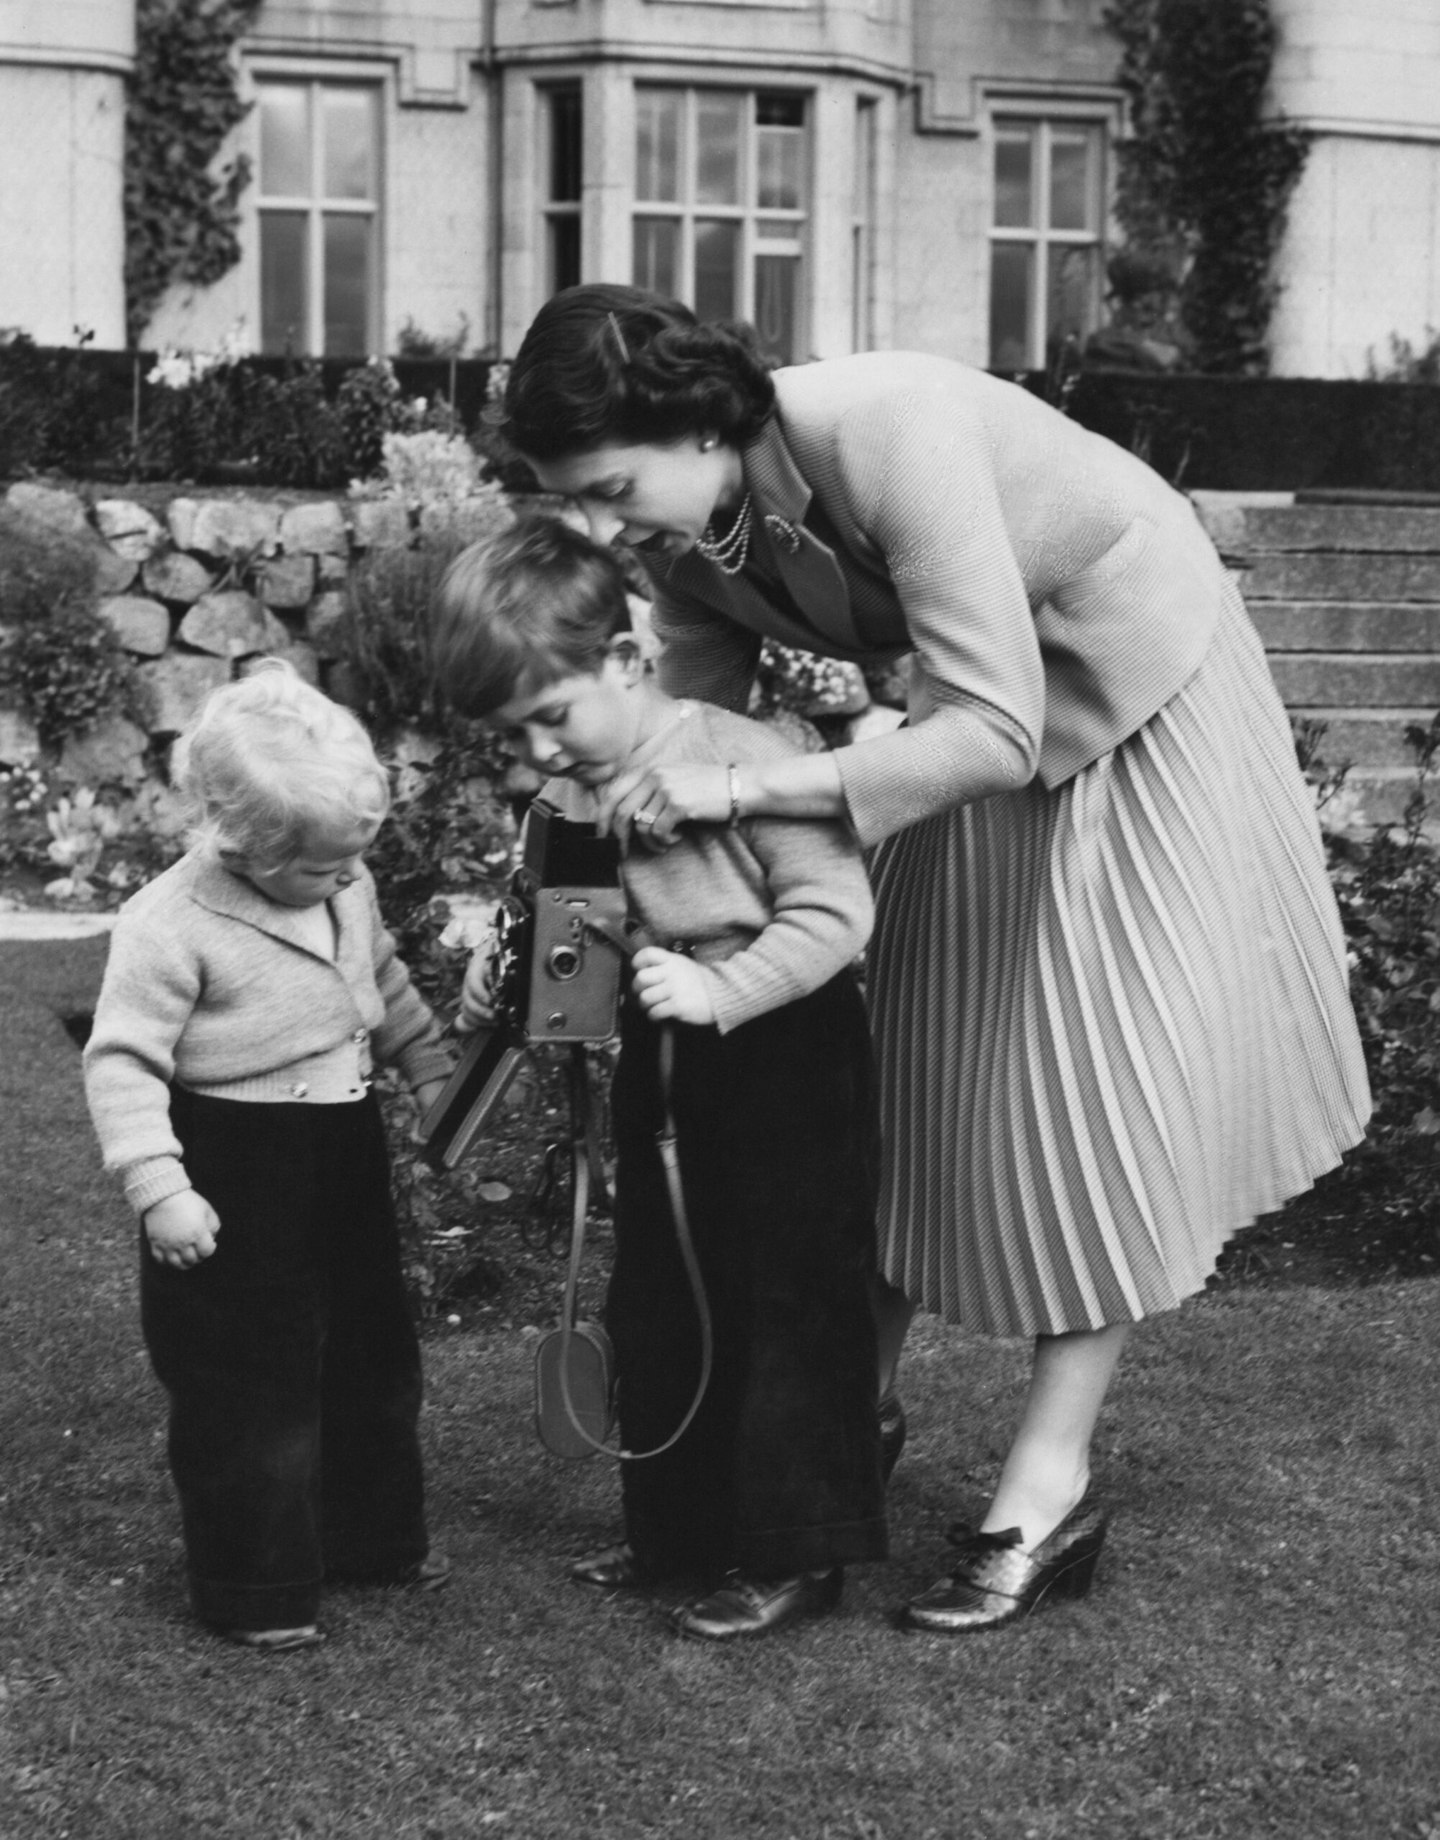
x: 617, y: 1568
x: 754, y: 1606
x: 996, y: 1582
x: 892, y: 1433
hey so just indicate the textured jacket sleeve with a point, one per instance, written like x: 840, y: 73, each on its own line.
x: 703, y: 654
x: 822, y: 918
x: 150, y: 987
x: 409, y: 1034
x: 919, y: 479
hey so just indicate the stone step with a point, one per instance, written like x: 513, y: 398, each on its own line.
x: 1389, y: 529
x: 1372, y: 798
x: 1274, y: 576
x: 1369, y: 740
x: 1313, y: 680
x: 1347, y: 626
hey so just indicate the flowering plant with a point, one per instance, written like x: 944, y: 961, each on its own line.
x: 426, y: 467
x: 177, y: 369
x: 79, y: 830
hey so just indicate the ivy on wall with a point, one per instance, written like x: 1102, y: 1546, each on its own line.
x: 1203, y: 180
x: 181, y: 102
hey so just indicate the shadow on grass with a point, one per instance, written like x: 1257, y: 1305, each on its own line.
x: 1257, y: 1657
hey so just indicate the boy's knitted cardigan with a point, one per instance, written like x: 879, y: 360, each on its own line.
x: 212, y: 986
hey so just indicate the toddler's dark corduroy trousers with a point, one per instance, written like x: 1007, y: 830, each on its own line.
x: 776, y: 1124
x: 290, y: 1360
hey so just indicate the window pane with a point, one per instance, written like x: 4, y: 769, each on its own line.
x: 1070, y: 188
x: 284, y: 140
x: 780, y: 153
x: 347, y: 287
x: 283, y: 290
x: 719, y: 120
x: 565, y: 124
x: 717, y: 270
x: 657, y: 253
x: 657, y: 144
x: 773, y: 110
x: 1013, y: 207
x: 1071, y: 307
x: 777, y: 291
x: 777, y: 229
x: 348, y: 124
x: 564, y: 268
x: 1012, y: 268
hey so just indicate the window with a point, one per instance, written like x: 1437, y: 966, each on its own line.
x: 720, y: 189
x: 318, y: 199
x: 1045, y: 243
x: 561, y: 159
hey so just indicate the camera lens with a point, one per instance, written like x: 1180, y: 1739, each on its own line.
x: 563, y: 962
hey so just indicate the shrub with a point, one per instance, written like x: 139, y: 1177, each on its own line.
x: 1388, y: 888
x: 42, y: 571
x: 69, y: 672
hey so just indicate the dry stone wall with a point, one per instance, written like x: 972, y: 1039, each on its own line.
x: 201, y: 585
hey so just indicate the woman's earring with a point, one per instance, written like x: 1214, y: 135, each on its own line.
x: 706, y: 443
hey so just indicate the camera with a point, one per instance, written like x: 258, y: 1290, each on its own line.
x: 560, y: 950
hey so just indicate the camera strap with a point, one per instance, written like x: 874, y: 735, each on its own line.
x: 666, y: 1138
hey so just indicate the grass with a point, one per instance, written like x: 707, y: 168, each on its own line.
x: 1258, y: 1657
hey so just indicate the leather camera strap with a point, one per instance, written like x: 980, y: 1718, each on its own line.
x: 582, y: 1124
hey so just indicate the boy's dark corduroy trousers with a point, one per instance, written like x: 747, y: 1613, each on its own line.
x: 290, y: 1360
x: 778, y: 1145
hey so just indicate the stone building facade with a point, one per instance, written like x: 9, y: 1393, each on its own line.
x: 847, y: 173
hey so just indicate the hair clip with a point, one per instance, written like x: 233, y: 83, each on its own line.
x: 619, y: 338
x: 783, y: 531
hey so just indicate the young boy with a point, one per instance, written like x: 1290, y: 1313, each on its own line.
x: 228, y: 1078
x: 777, y: 1481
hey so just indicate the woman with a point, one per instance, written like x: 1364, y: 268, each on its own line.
x: 1107, y: 981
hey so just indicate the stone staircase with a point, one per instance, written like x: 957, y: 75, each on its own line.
x: 1346, y: 597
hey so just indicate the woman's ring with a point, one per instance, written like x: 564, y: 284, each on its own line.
x: 647, y: 818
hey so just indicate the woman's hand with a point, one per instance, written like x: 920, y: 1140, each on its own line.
x: 671, y: 987
x: 651, y: 803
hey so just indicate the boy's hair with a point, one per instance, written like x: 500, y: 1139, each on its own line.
x: 523, y: 609
x: 268, y: 759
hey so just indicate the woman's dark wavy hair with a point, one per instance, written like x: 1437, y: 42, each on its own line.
x: 610, y: 363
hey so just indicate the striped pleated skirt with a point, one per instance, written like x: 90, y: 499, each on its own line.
x: 1113, y: 1020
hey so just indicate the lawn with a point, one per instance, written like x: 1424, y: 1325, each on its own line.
x: 1259, y: 1656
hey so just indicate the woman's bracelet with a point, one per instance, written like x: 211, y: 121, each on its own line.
x: 734, y: 773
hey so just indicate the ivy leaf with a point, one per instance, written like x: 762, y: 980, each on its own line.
x: 1426, y: 1122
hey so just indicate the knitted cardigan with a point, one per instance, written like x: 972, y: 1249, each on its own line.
x: 214, y: 987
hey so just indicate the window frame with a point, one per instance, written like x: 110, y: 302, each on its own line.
x: 757, y: 238
x: 1043, y: 122
x: 317, y: 205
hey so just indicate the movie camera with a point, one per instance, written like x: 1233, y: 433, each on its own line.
x: 561, y: 943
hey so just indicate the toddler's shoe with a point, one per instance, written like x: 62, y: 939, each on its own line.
x: 432, y: 1573
x: 275, y: 1641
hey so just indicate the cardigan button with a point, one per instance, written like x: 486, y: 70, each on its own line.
x: 299, y: 1089
x: 360, y: 1035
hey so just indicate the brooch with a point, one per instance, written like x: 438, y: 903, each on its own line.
x: 783, y: 531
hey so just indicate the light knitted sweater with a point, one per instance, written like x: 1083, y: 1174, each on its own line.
x: 772, y: 908
x: 212, y: 986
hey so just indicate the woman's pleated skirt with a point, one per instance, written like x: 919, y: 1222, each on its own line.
x: 1113, y: 1020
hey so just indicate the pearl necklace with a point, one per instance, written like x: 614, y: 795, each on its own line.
x: 728, y: 553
